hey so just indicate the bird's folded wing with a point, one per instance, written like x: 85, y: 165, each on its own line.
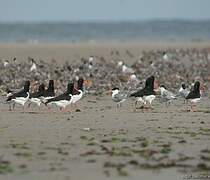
x: 121, y: 96
x: 169, y: 95
x: 14, y: 95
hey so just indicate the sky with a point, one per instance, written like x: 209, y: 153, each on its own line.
x: 102, y: 10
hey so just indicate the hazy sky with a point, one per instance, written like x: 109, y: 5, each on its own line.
x: 76, y: 10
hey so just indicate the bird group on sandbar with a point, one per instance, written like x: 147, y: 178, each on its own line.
x: 150, y: 91
x: 47, y: 96
x: 144, y: 96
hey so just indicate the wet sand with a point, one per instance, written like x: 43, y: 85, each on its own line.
x: 103, y: 142
x: 100, y: 141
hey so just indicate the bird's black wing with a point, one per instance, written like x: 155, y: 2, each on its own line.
x: 49, y: 93
x: 64, y: 96
x: 139, y: 93
x: 21, y: 93
x: 193, y: 95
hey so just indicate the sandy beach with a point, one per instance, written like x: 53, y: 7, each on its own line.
x: 97, y: 140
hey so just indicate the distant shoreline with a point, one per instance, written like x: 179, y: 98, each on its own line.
x: 141, y: 43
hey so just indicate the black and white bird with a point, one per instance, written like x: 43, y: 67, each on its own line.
x: 147, y: 94
x: 166, y: 95
x: 78, y: 92
x: 64, y: 99
x: 33, y: 64
x: 6, y: 63
x: 9, y: 92
x: 194, y: 95
x: 165, y: 56
x: 183, y: 91
x: 36, y: 96
x: 124, y: 68
x: 118, y: 96
x: 20, y: 97
x: 49, y: 92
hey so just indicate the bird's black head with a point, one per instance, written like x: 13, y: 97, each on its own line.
x: 197, y: 86
x: 80, y: 84
x: 41, y: 88
x: 115, y: 88
x: 183, y: 86
x: 163, y: 86
x: 70, y: 87
x: 27, y: 86
x: 150, y: 82
x: 51, y: 85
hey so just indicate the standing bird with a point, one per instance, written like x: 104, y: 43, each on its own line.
x: 194, y: 95
x: 6, y: 63
x: 33, y: 64
x: 183, y: 91
x: 64, y: 99
x: 124, y: 68
x: 49, y: 92
x: 147, y: 94
x: 78, y: 92
x: 20, y: 97
x: 166, y: 95
x: 118, y: 97
x: 36, y: 96
x: 165, y: 56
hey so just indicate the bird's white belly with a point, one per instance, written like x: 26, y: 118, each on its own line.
x: 76, y: 98
x: 140, y: 99
x: 44, y: 99
x: 50, y: 97
x: 20, y: 100
x: 149, y: 98
x: 61, y: 103
x: 122, y: 100
x: 195, y: 100
x: 36, y: 100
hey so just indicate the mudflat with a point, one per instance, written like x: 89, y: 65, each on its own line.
x: 97, y: 140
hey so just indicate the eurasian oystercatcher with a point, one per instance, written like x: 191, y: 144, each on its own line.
x: 194, y: 95
x: 20, y: 97
x: 78, y: 91
x: 50, y: 91
x: 64, y: 99
x: 147, y: 94
x: 36, y: 96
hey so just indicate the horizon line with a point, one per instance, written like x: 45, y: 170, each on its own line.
x: 107, y: 21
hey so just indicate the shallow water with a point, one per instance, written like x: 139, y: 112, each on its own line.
x: 93, y: 31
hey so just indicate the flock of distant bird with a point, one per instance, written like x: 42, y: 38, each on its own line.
x: 47, y: 96
x: 147, y: 94
x: 74, y: 93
